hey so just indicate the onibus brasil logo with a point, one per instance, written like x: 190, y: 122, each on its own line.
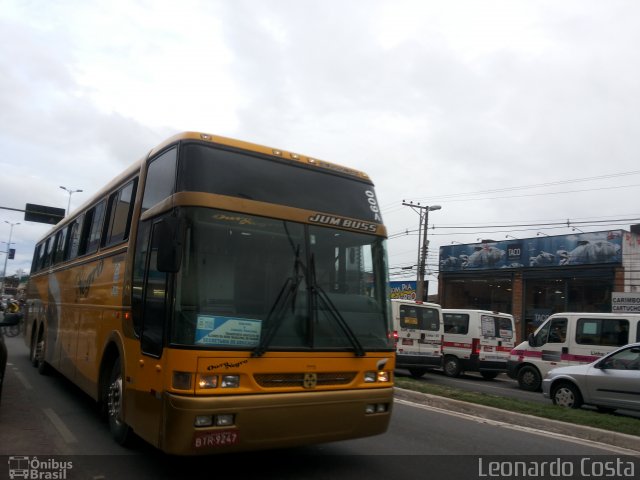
x: 33, y: 468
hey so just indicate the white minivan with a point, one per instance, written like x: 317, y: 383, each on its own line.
x: 417, y: 331
x: 570, y: 339
x: 476, y: 340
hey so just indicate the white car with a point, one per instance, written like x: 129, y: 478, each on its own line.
x: 608, y: 383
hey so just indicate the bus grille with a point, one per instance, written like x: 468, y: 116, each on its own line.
x: 280, y: 380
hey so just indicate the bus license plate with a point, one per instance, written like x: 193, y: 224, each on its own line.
x: 407, y: 341
x: 220, y: 438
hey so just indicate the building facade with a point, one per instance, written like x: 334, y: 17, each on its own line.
x: 532, y: 278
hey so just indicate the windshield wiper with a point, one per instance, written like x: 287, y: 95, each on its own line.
x: 274, y: 319
x: 331, y: 308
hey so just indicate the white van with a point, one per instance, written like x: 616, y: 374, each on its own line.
x: 570, y: 339
x: 417, y: 331
x: 476, y: 340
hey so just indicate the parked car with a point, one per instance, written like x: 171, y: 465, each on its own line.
x: 6, y: 320
x: 608, y: 383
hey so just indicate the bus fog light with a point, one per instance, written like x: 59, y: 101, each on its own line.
x: 203, y: 421
x: 369, y: 377
x: 230, y: 381
x: 369, y: 409
x: 225, y: 420
x: 181, y: 380
x: 208, y: 381
x: 383, y: 376
x: 381, y: 407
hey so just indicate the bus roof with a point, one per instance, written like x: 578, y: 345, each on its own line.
x: 214, y: 139
x: 274, y: 152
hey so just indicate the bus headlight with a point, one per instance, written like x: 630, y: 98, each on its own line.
x: 208, y: 381
x: 224, y: 420
x: 181, y: 380
x: 230, y: 381
x: 379, y: 376
x: 203, y: 421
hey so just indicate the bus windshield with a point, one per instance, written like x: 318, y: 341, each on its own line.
x: 244, y: 277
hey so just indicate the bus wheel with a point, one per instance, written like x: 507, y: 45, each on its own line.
x: 33, y: 348
x: 489, y: 375
x: 120, y: 431
x: 529, y: 379
x: 41, y: 348
x: 417, y: 372
x: 451, y: 367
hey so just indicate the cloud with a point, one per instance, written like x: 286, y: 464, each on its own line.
x: 429, y: 98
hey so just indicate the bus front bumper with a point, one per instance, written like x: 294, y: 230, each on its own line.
x: 267, y: 421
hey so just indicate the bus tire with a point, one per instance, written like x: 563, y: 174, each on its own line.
x: 451, y: 366
x: 33, y: 358
x: 120, y: 431
x: 41, y: 348
x: 529, y: 378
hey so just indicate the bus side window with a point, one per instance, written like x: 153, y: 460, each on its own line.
x: 46, y: 256
x: 161, y: 179
x: 119, y: 214
x: 35, y: 264
x: 90, y: 239
x: 139, y: 268
x: 58, y: 254
x: 74, y: 238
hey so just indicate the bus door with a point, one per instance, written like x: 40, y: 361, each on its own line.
x: 151, y: 310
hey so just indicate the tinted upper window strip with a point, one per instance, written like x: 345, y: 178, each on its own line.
x: 206, y: 169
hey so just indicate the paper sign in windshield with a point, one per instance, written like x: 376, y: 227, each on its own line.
x: 227, y: 331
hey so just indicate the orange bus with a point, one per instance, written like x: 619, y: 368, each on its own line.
x: 221, y: 296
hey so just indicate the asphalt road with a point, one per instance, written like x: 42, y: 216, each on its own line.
x: 47, y: 416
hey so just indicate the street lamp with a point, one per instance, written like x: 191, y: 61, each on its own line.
x: 70, y: 192
x: 576, y: 228
x: 6, y: 256
x: 509, y: 236
x: 540, y: 233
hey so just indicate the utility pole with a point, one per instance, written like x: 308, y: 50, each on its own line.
x: 423, y: 244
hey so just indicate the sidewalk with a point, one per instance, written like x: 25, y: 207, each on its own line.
x: 629, y: 442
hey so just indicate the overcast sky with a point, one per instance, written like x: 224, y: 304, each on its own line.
x: 462, y: 104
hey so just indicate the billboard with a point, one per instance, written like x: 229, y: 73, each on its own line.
x: 404, y: 290
x: 556, y: 251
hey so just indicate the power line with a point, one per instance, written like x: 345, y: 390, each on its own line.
x: 527, y: 187
x: 559, y: 224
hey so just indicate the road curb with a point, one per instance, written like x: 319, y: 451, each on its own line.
x: 629, y: 442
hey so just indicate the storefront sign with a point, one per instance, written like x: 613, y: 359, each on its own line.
x: 625, y: 302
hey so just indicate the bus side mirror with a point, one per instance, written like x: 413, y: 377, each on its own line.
x: 168, y: 238
x: 532, y: 340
